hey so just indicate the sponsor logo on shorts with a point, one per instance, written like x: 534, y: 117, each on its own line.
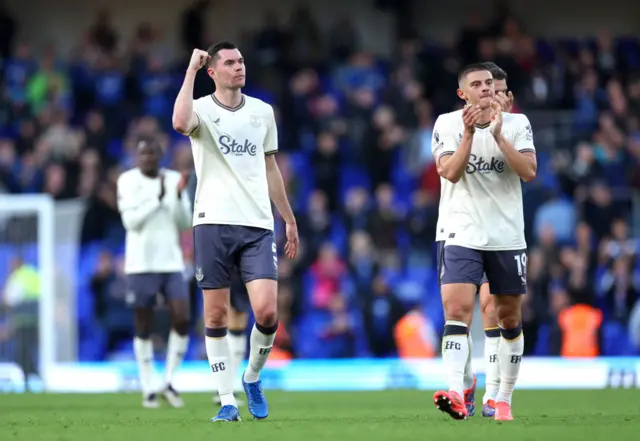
x: 274, y: 249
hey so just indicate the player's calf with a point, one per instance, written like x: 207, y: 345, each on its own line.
x: 143, y: 351
x: 510, y: 349
x: 215, y: 307
x: 458, y: 301
x: 176, y: 350
x: 178, y: 342
x: 491, y: 343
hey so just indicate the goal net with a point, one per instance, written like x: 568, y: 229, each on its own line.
x: 28, y: 322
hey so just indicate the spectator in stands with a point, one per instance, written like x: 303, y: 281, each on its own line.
x: 557, y: 214
x: 315, y: 223
x: 382, y: 311
x: 20, y: 298
x: 326, y: 163
x: 385, y: 221
x: 328, y: 273
x: 415, y: 336
x: 109, y: 307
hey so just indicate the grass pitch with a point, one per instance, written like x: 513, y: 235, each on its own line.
x: 611, y: 415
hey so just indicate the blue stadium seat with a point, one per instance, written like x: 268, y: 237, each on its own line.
x: 543, y: 340
x: 615, y: 340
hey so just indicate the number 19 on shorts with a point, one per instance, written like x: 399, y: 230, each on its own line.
x: 521, y: 262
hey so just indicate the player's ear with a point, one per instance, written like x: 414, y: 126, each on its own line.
x: 211, y: 73
x: 461, y: 95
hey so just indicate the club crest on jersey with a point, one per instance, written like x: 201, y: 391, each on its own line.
x: 529, y: 133
x: 228, y: 145
x: 255, y: 121
x: 478, y: 164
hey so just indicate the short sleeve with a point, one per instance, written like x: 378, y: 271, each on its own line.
x: 443, y: 141
x: 197, y: 111
x: 523, y: 141
x: 271, y: 138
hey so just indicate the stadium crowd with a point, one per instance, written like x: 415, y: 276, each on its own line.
x: 355, y: 151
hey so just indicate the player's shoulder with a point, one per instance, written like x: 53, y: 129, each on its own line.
x: 515, y: 119
x: 449, y: 118
x: 171, y: 173
x: 256, y: 105
x: 129, y: 175
x: 204, y: 104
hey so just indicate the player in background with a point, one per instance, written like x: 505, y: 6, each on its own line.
x: 484, y: 153
x: 239, y: 307
x: 503, y: 95
x: 154, y: 209
x: 233, y: 138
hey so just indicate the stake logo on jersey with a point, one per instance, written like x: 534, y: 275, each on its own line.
x: 228, y: 145
x: 484, y: 209
x: 229, y: 148
x: 478, y: 164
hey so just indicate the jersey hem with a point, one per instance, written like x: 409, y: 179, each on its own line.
x: 134, y: 272
x: 237, y: 224
x: 481, y: 248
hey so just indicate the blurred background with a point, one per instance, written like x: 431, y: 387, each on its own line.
x: 356, y: 88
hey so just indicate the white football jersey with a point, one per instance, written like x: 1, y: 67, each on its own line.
x: 153, y: 226
x: 484, y: 209
x: 229, y: 146
x: 446, y: 192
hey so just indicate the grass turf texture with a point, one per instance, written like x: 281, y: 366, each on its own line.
x: 392, y: 415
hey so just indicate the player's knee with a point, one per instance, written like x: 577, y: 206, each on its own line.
x: 181, y: 327
x: 143, y: 325
x: 508, y: 317
x: 455, y: 309
x: 267, y: 314
x: 487, y: 307
x: 215, y: 316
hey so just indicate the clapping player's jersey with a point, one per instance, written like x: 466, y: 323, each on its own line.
x: 153, y: 225
x: 446, y: 192
x: 229, y: 146
x: 484, y: 210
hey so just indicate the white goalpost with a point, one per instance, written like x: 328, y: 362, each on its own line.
x: 16, y: 224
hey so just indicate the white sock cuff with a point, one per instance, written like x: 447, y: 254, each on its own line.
x: 455, y: 323
x: 261, y: 339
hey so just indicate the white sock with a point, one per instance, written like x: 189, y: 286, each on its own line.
x: 176, y: 349
x: 143, y: 349
x: 468, y: 368
x: 259, y: 350
x: 492, y: 368
x: 509, y: 358
x: 220, y: 363
x: 238, y: 348
x: 455, y: 351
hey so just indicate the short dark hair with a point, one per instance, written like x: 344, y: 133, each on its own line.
x: 496, y: 71
x: 148, y: 140
x: 475, y: 67
x: 217, y: 47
